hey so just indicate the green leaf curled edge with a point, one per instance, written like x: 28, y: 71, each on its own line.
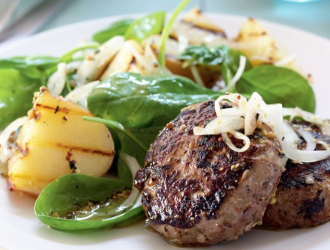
x: 278, y: 85
x: 117, y: 28
x: 62, y: 194
x: 137, y: 101
x: 146, y: 26
x: 20, y: 77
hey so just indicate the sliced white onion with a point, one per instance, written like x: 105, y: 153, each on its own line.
x: 235, y: 99
x: 220, y: 125
x: 235, y: 111
x: 56, y: 81
x: 308, y: 137
x: 285, y: 61
x: 251, y: 113
x: 309, y: 117
x: 6, y: 153
x: 243, y: 115
x: 237, y: 135
x: 196, y: 75
x: 289, y: 147
x: 324, y: 144
x: 79, y: 94
x: 239, y: 73
x: 132, y: 201
x: 133, y: 166
x: 304, y: 156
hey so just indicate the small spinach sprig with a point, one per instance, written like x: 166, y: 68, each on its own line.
x: 274, y: 84
x: 227, y: 59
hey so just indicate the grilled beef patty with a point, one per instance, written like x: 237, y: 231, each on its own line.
x: 197, y: 191
x: 298, y: 204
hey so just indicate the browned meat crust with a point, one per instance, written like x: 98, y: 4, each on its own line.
x: 196, y: 191
x: 301, y: 205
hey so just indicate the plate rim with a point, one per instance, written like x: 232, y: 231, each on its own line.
x: 10, y: 45
x: 111, y: 19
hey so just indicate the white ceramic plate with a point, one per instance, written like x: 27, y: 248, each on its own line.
x: 19, y: 227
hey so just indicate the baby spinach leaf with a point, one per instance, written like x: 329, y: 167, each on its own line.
x: 132, y: 141
x: 74, y: 190
x: 229, y: 59
x: 203, y: 55
x: 136, y: 108
x: 137, y: 101
x: 278, y: 85
x: 115, y: 29
x: 20, y: 77
x: 146, y: 26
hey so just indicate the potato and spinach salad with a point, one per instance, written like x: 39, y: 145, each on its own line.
x: 75, y: 128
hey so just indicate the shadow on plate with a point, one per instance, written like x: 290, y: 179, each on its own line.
x: 139, y: 233
x: 91, y: 237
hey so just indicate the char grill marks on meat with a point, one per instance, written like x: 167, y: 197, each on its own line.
x: 188, y: 178
x: 300, y: 204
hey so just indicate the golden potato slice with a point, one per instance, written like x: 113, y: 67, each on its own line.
x: 122, y: 61
x: 260, y: 47
x: 56, y: 141
x: 132, y: 57
x: 198, y: 30
x: 94, y: 64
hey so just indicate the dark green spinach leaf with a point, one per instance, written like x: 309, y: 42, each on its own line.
x: 136, y: 108
x: 20, y: 77
x: 137, y: 101
x: 71, y: 190
x: 278, y: 85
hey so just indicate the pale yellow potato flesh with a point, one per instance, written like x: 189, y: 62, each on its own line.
x: 121, y: 62
x: 260, y: 46
x: 196, y: 18
x: 198, y: 30
x: 94, y: 64
x: 56, y: 141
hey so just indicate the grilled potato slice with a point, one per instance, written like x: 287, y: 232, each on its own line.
x: 56, y: 141
x: 198, y: 30
x: 260, y: 47
x: 94, y: 64
x: 133, y: 58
